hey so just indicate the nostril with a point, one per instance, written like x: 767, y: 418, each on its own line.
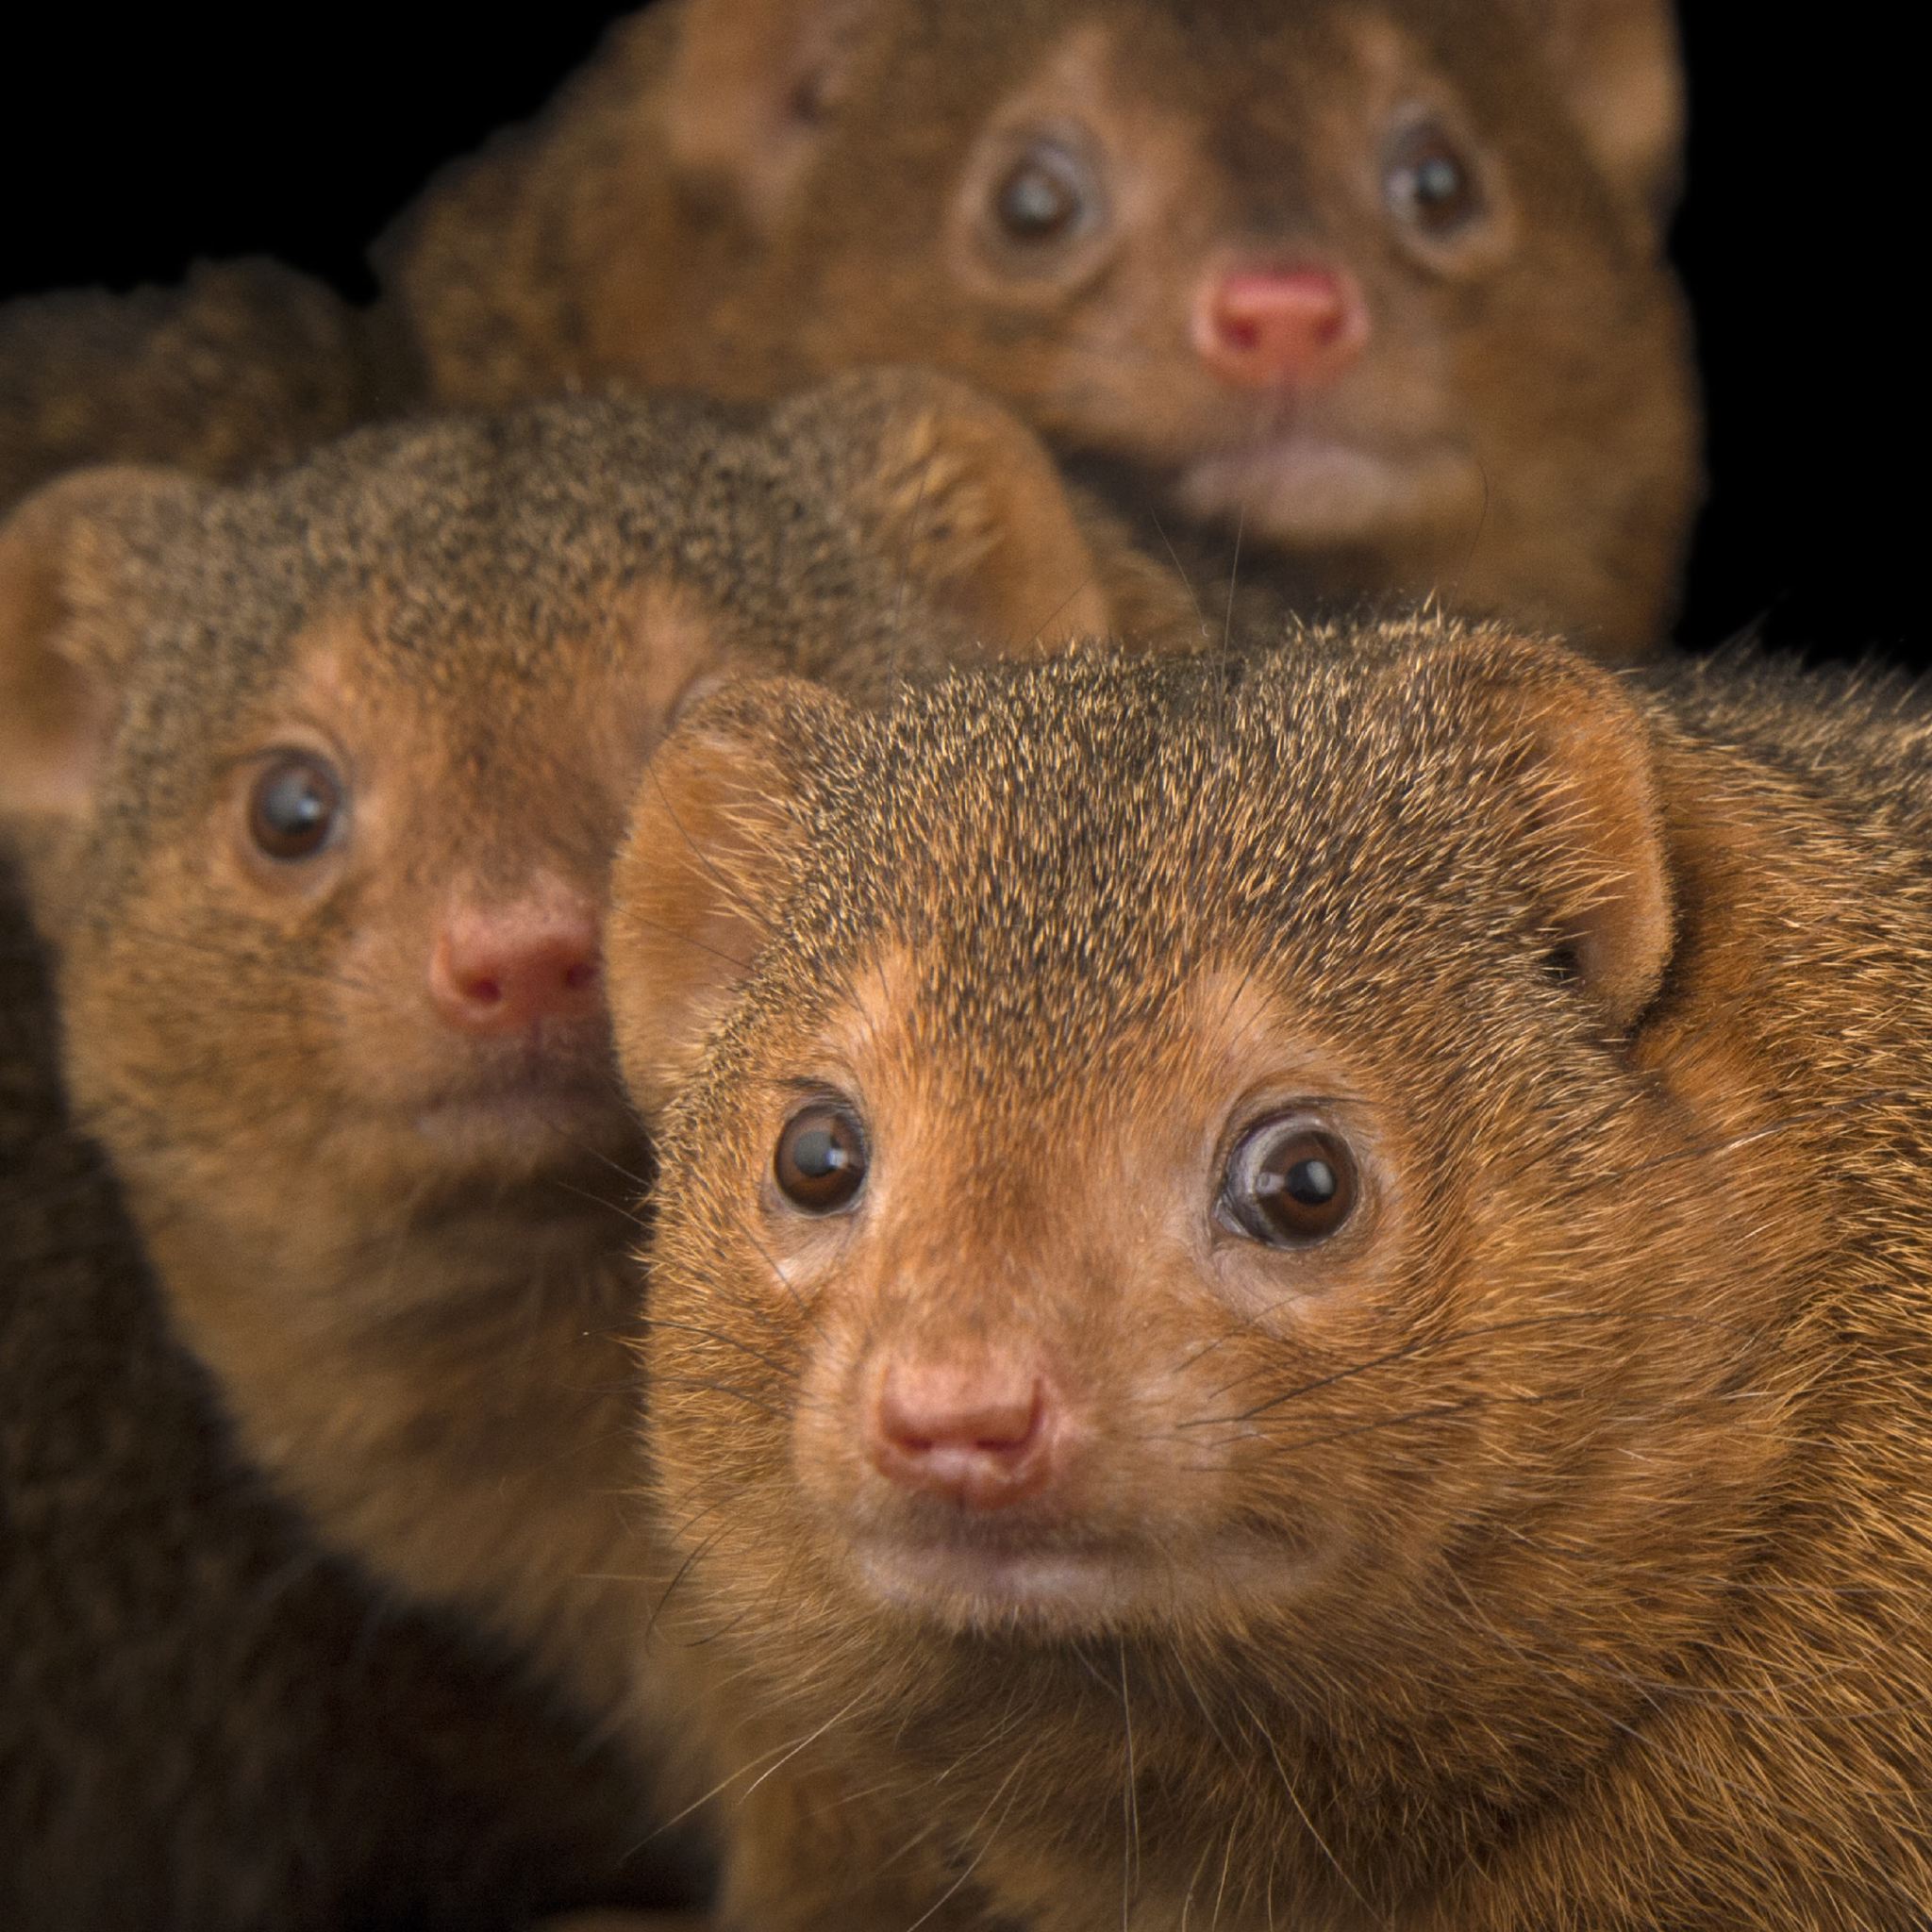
x: 982, y: 1434
x: 500, y: 968
x: 1280, y: 327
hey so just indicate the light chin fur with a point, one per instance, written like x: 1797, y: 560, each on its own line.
x: 1065, y: 1592
x: 1295, y: 489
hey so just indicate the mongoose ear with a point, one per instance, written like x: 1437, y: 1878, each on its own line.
x: 959, y: 494
x: 64, y: 636
x: 1594, y: 816
x: 751, y: 87
x: 1622, y: 69
x: 711, y: 853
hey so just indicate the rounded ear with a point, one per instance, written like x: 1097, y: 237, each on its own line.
x: 1622, y: 70
x: 959, y: 493
x: 1586, y: 761
x: 66, y: 634
x: 711, y: 853
x: 751, y: 87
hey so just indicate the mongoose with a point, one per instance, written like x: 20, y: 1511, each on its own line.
x: 205, y: 1721
x: 317, y: 781
x: 242, y: 367
x: 1377, y: 288
x: 1305, y: 1283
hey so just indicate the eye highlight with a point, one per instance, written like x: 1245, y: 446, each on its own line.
x: 1429, y: 181
x: 1046, y: 196
x: 820, y: 1162
x: 294, y: 806
x: 1289, y: 1183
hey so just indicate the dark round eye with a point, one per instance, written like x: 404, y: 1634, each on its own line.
x: 1046, y: 195
x: 294, y: 806
x: 820, y: 1164
x: 1429, y: 181
x: 1289, y: 1183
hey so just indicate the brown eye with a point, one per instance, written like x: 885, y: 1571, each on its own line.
x: 1288, y: 1183
x: 1429, y: 181
x: 820, y: 1165
x: 1047, y: 196
x: 295, y: 805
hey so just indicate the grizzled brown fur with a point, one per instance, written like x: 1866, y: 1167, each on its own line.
x: 739, y: 195
x: 245, y: 365
x: 403, y: 1247
x: 206, y: 1722
x: 1545, y: 1551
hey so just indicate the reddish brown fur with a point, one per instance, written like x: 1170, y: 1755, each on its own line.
x: 737, y: 196
x: 1545, y: 1553
x: 404, y: 1252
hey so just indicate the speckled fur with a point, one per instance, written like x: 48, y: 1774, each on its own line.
x: 488, y: 619
x: 1622, y: 1418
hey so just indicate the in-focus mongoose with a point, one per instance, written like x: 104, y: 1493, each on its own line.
x: 1307, y: 1284
x: 206, y: 1723
x: 242, y: 367
x: 317, y: 783
x: 1378, y: 287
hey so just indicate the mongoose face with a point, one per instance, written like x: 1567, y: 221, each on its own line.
x: 1198, y: 1203
x: 348, y: 751
x: 1378, y: 286
x: 1340, y: 275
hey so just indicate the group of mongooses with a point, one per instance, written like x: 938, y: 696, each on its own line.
x: 841, y: 1079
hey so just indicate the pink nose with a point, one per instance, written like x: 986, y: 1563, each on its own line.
x: 502, y: 968
x: 1280, y: 328
x: 982, y: 1434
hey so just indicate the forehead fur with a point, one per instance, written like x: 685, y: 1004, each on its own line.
x: 515, y: 529
x: 476, y: 562
x: 1059, y: 854
x: 1191, y: 52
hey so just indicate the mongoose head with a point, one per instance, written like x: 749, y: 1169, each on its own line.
x: 1381, y: 286
x: 1191, y: 1175
x: 318, y: 779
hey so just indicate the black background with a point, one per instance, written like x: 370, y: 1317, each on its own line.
x: 133, y: 143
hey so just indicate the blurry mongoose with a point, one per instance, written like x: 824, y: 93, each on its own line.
x: 317, y: 783
x: 243, y: 366
x: 1379, y: 288
x: 1307, y: 1284
x: 205, y: 1722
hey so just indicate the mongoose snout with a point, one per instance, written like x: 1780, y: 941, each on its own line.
x: 1284, y: 330
x: 981, y: 1431
x: 519, y: 965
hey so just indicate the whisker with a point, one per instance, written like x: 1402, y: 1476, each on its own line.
x: 728, y: 1340
x: 1308, y: 1822
x: 1420, y: 1344
x: 1440, y: 1411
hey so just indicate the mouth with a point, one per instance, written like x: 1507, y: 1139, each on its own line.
x: 1296, y: 484
x: 534, y: 1104
x: 1062, y: 1585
